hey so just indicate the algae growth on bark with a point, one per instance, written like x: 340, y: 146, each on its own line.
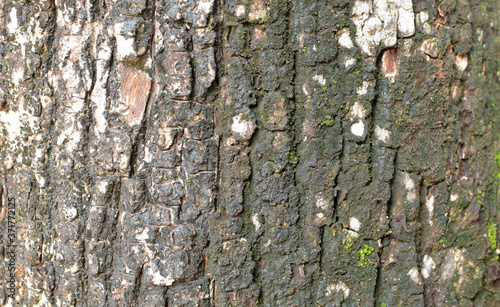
x: 249, y: 153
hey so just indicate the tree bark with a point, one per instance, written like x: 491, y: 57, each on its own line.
x: 249, y: 153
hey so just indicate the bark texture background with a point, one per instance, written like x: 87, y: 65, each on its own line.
x: 251, y: 152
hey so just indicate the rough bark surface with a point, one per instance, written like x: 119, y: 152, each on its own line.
x: 250, y: 152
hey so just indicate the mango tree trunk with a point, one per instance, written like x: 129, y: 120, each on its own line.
x: 249, y: 153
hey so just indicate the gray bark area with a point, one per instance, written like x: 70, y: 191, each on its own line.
x: 251, y: 152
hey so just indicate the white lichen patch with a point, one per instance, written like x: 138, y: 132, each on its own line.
x: 421, y: 20
x: 453, y: 197
x: 339, y: 287
x: 363, y: 89
x: 17, y: 75
x: 98, y: 97
x: 158, y: 279
x: 242, y: 127
x: 124, y: 42
x: 411, y: 194
x: 415, y: 275
x: 406, y: 18
x: 354, y: 224
x: 357, y: 111
x: 304, y: 89
x: 320, y: 79
x: 429, y: 204
x: 42, y: 301
x: 461, y: 61
x: 349, y: 61
x: 13, y: 24
x: 70, y: 213
x: 103, y: 186
x: 239, y: 10
x: 345, y: 39
x: 382, y: 134
x: 319, y: 217
x: 12, y: 122
x: 258, y: 34
x: 321, y: 203
x: 255, y: 220
x: 358, y: 128
x: 452, y: 260
x: 351, y: 235
x: 378, y: 22
x: 142, y: 236
x: 429, y: 265
x: 258, y: 10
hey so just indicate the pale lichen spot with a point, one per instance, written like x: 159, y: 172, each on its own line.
x: 70, y: 213
x: 125, y: 46
x: 351, y: 234
x: 258, y: 34
x: 358, y: 128
x: 363, y: 89
x: 103, y: 186
x: 421, y: 20
x: 205, y: 6
x: 160, y: 280
x: 243, y: 128
x: 461, y: 61
x: 349, y: 61
x: 321, y: 203
x: 415, y: 275
x: 142, y: 236
x: 357, y: 111
x: 42, y: 301
x: 345, y: 39
x: 406, y: 18
x: 378, y: 22
x: 453, y: 258
x: 320, y: 79
x: 17, y: 75
x: 429, y: 204
x: 319, y: 218
x: 410, y: 187
x: 124, y: 42
x: 453, y: 197
x: 258, y: 10
x: 304, y: 89
x: 255, y: 220
x: 239, y: 10
x: 382, y: 134
x: 12, y: 123
x: 339, y: 287
x: 422, y: 17
x: 300, y: 40
x: 428, y: 266
x: 354, y: 224
x: 13, y: 25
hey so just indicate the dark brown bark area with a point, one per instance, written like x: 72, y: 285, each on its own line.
x: 250, y: 153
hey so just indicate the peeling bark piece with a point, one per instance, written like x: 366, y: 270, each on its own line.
x: 134, y: 90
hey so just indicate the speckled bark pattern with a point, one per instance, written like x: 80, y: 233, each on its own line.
x: 251, y: 152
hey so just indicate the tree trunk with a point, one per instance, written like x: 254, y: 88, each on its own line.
x: 249, y: 153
